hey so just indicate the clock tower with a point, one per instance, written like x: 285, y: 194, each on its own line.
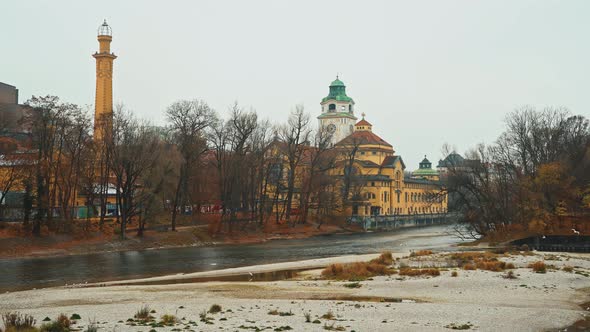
x: 337, y: 112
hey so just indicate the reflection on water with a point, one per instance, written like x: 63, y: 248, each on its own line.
x: 16, y: 274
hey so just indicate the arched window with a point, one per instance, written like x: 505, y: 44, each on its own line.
x: 332, y: 107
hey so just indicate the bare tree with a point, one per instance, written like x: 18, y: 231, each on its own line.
x: 529, y: 178
x: 133, y: 153
x: 47, y: 121
x: 319, y: 160
x: 295, y: 136
x: 188, y: 120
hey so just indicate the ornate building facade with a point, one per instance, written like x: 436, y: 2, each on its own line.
x: 378, y: 183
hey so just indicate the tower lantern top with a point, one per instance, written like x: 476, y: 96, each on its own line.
x: 338, y: 92
x: 105, y: 30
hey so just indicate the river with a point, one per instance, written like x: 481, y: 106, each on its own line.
x: 28, y: 273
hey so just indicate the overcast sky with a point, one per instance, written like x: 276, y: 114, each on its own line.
x: 424, y: 72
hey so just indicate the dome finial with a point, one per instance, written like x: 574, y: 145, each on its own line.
x: 363, y: 115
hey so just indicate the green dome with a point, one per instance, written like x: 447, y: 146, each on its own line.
x: 337, y: 82
x: 337, y: 92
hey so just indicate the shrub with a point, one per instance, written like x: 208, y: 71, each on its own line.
x: 286, y: 313
x: 18, y: 322
x: 274, y: 312
x: 353, y: 285
x: 143, y: 313
x: 307, y: 316
x: 331, y: 327
x: 328, y: 315
x: 386, y: 258
x: 64, y: 321
x: 215, y: 308
x: 568, y: 268
x: 168, y: 319
x: 538, y: 267
x: 419, y: 272
x: 61, y: 324
x: 454, y: 326
x: 53, y: 327
x: 509, y: 275
x: 92, y: 327
x: 454, y: 274
x: 510, y: 266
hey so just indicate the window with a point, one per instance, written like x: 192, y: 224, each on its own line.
x: 374, y: 152
x: 332, y: 107
x: 398, y: 195
x: 372, y: 184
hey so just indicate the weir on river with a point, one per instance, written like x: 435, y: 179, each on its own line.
x: 389, y: 222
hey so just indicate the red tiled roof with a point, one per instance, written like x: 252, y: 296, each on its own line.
x: 363, y: 122
x: 363, y: 137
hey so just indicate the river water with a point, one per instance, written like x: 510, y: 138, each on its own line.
x: 28, y: 273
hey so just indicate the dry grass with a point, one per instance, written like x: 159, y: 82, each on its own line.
x: 63, y: 320
x: 469, y: 266
x: 421, y: 253
x: 168, y: 319
x: 491, y: 265
x: 568, y: 268
x: 143, y: 313
x: 419, y: 272
x: 328, y: 315
x: 360, y: 270
x: 61, y: 324
x: 482, y: 260
x: 386, y: 258
x: 454, y: 274
x: 538, y: 267
x: 15, y: 321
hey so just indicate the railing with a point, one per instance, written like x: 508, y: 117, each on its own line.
x: 385, y: 222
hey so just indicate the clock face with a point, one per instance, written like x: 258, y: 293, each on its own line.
x: 331, y: 128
